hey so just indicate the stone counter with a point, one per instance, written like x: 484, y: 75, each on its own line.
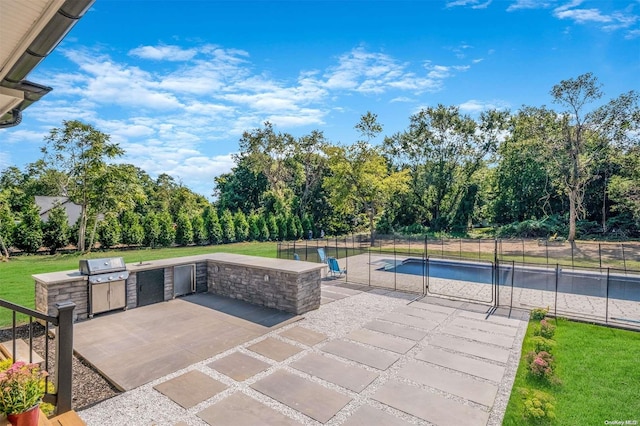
x: 291, y: 286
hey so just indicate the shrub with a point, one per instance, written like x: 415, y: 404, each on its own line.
x: 538, y: 313
x: 540, y: 365
x: 542, y: 344
x: 545, y: 329
x: 538, y: 406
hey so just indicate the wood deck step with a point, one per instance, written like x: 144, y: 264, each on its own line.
x: 22, y: 351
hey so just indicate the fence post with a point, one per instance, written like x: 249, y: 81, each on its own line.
x: 600, y: 254
x: 523, y: 251
x: 513, y: 273
x: 64, y: 356
x: 555, y: 303
x: 606, y: 312
x: 624, y: 260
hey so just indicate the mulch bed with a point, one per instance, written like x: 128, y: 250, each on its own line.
x: 89, y: 387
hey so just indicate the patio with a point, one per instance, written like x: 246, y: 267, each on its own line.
x: 367, y: 356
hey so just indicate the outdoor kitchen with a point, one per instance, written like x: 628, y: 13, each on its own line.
x: 109, y: 285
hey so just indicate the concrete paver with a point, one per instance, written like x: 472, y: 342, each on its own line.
x: 462, y: 363
x: 410, y: 320
x: 481, y: 350
x: 511, y: 322
x: 304, y: 335
x: 334, y: 371
x: 427, y: 314
x: 308, y: 397
x: 483, y: 325
x: 368, y: 416
x: 190, y: 389
x: 367, y: 356
x: 239, y: 366
x: 429, y: 406
x: 463, y: 386
x: 396, y: 330
x: 274, y: 349
x: 479, y: 336
x: 241, y: 410
x: 380, y: 340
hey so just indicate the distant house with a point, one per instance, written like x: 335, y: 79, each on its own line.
x: 46, y: 204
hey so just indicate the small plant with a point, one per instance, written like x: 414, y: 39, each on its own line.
x: 538, y: 406
x: 538, y: 314
x: 543, y: 344
x: 540, y: 365
x: 546, y: 329
x: 21, y: 387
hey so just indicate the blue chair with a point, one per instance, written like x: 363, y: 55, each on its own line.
x: 321, y: 255
x: 334, y: 267
x: 296, y: 256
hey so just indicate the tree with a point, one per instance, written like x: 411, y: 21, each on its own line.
x: 184, y: 230
x: 212, y: 225
x: 228, y: 227
x: 241, y: 226
x: 263, y: 229
x: 110, y: 231
x: 80, y: 152
x: 7, y: 224
x: 241, y: 189
x: 27, y: 234
x: 254, y: 228
x: 55, y: 233
x: 361, y: 180
x: 151, y: 227
x: 199, y: 233
x: 584, y: 134
x: 132, y: 231
x: 167, y: 234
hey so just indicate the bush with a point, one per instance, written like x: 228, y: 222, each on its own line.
x: 540, y: 365
x: 538, y: 406
x: 542, y: 344
x: 538, y: 313
x: 545, y: 329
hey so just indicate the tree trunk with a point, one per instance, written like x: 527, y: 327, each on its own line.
x: 604, y: 206
x: 93, y: 233
x: 82, y: 231
x: 5, y: 252
x: 573, y: 214
x: 372, y: 228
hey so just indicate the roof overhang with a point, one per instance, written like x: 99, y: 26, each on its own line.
x: 29, y: 31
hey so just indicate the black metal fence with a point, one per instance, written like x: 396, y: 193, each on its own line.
x: 593, y: 281
x: 61, y: 367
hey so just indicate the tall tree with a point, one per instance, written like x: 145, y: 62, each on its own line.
x: 27, y: 235
x: 586, y: 133
x: 81, y: 152
x: 361, y: 180
x: 55, y: 231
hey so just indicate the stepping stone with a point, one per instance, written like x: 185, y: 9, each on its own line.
x: 512, y: 322
x: 242, y: 410
x: 384, y: 341
x: 479, y: 336
x: 462, y: 363
x: 464, y: 387
x: 274, y: 349
x: 239, y: 366
x: 396, y: 330
x: 334, y: 371
x: 421, y: 313
x: 367, y: 356
x: 429, y: 406
x: 472, y: 348
x: 190, y: 389
x: 367, y: 416
x: 302, y: 395
x: 304, y: 335
x: 433, y: 308
x: 485, y: 326
x: 410, y: 320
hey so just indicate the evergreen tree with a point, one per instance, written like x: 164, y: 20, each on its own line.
x: 254, y: 229
x: 110, y: 233
x: 167, y: 234
x: 272, y: 225
x: 212, y: 225
x: 27, y: 235
x: 7, y: 226
x: 56, y: 230
x: 132, y: 231
x: 241, y: 226
x: 199, y: 234
x: 281, y: 227
x: 263, y: 229
x: 228, y: 228
x: 184, y: 231
x: 298, y: 225
x: 151, y: 229
x: 307, y: 226
x: 292, y: 229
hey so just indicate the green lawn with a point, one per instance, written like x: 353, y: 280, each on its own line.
x: 17, y: 286
x: 599, y: 368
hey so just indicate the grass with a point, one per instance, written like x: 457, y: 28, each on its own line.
x: 599, y: 372
x: 17, y: 286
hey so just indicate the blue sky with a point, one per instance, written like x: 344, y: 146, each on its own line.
x: 175, y: 83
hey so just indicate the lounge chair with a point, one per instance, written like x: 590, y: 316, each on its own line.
x: 334, y: 267
x: 321, y: 255
x: 296, y: 256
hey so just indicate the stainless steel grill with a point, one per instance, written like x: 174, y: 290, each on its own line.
x: 107, y: 283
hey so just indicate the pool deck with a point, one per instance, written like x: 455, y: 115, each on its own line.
x: 367, y: 356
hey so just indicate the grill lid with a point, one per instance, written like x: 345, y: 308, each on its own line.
x: 101, y: 266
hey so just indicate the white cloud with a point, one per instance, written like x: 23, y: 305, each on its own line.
x: 529, y: 4
x: 474, y: 106
x: 163, y: 52
x: 401, y: 99
x: 608, y: 21
x: 474, y: 4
